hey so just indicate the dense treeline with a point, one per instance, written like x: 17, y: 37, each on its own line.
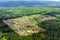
x: 53, y: 28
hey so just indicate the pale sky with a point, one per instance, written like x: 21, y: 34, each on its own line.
x: 27, y: 0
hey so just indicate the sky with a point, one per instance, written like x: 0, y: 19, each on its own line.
x: 27, y: 0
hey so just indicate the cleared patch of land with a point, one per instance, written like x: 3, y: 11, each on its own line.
x: 27, y: 25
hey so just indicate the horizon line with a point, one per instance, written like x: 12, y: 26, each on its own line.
x: 21, y: 0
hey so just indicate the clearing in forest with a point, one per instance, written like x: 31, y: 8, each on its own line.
x: 27, y: 25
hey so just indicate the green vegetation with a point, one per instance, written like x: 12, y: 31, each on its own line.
x: 52, y: 26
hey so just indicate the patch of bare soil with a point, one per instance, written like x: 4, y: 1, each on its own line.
x: 26, y: 25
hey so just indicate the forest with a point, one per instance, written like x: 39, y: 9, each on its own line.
x: 47, y: 18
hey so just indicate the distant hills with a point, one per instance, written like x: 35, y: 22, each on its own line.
x: 29, y: 3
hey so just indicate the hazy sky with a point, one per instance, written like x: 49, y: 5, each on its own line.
x: 27, y: 0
